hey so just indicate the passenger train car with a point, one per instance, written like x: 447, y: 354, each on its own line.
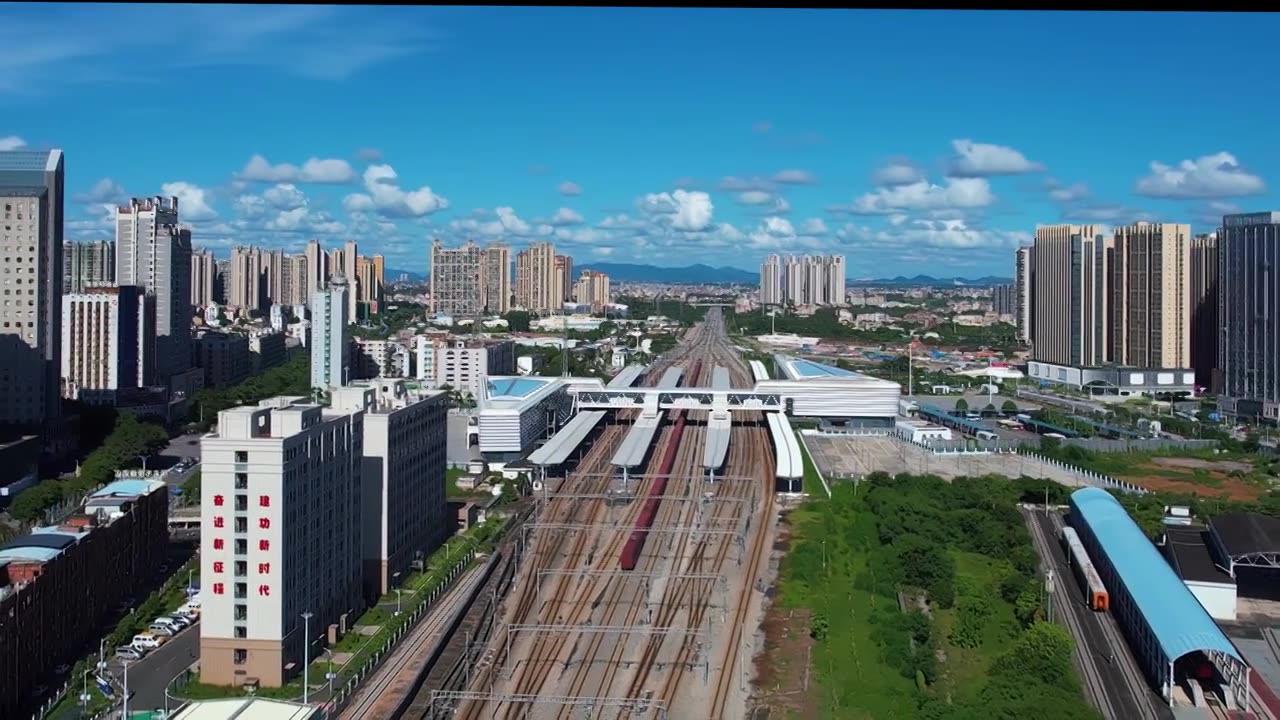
x: 1096, y: 595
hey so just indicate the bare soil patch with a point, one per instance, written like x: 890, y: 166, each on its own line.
x: 1210, y: 483
x: 1225, y: 466
x: 783, y: 686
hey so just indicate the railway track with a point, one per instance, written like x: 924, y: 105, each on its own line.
x: 600, y: 665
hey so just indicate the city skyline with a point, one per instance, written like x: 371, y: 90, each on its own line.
x: 644, y: 168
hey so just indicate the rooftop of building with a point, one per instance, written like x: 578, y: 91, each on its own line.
x: 1176, y: 618
x: 1187, y: 550
x: 799, y: 369
x: 251, y: 708
x: 517, y: 393
x: 1247, y: 533
x: 30, y: 160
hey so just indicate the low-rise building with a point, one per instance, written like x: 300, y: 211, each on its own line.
x: 267, y: 350
x: 224, y: 358
x: 59, y: 583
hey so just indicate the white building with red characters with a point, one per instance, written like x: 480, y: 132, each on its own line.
x: 279, y: 537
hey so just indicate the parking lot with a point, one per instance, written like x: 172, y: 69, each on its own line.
x: 851, y: 456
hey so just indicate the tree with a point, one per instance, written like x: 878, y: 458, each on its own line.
x: 961, y: 405
x: 1009, y: 406
x: 819, y: 626
x: 1042, y: 653
x: 517, y: 321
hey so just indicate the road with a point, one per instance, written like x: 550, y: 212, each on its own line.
x: 149, y: 676
x: 1114, y: 683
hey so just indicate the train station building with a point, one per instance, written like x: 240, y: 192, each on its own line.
x: 1170, y: 633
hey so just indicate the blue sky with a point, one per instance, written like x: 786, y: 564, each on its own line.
x: 912, y: 142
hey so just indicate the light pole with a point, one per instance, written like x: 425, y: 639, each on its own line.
x: 306, y: 655
x: 329, y: 675
x: 84, y: 696
x: 125, y: 691
x: 190, y: 574
x: 397, y: 602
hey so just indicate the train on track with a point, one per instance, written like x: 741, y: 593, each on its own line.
x: 1096, y: 595
x: 649, y: 511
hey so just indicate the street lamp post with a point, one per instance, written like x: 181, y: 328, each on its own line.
x: 397, y: 602
x: 190, y: 574
x: 306, y: 655
x: 125, y: 691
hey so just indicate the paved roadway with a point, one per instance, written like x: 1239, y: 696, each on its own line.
x: 1114, y: 683
x: 149, y: 676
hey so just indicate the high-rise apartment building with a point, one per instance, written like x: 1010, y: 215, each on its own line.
x: 456, y: 280
x: 1071, y: 295
x: 1205, y: 333
x: 1004, y: 299
x: 108, y: 342
x: 537, y: 288
x: 154, y: 252
x: 223, y: 283
x: 281, y: 547
x: 296, y: 290
x: 330, y: 341
x: 593, y: 289
x: 771, y: 281
x: 273, y: 268
x: 87, y: 264
x: 1024, y: 284
x: 403, y: 507
x: 246, y: 279
x: 317, y: 267
x: 565, y: 277
x: 496, y: 279
x: 1151, y: 322
x: 371, y: 273
x: 802, y: 280
x: 31, y: 199
x: 204, y: 278
x: 1248, y: 309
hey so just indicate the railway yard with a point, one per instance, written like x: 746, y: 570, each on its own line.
x: 639, y: 603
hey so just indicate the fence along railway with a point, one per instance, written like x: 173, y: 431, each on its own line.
x: 636, y: 604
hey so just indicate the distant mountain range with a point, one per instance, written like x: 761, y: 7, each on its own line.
x: 920, y: 280
x: 690, y: 275
x: 705, y: 274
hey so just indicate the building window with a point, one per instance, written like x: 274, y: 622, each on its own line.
x: 242, y: 525
x: 242, y: 612
x: 242, y: 456
x: 242, y: 547
x: 242, y: 503
x: 242, y: 632
x: 242, y: 481
x: 242, y: 591
x: 242, y: 568
x: 239, y: 656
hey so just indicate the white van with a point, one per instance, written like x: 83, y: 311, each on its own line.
x: 147, y: 640
x: 175, y: 622
x: 162, y: 630
x: 987, y: 435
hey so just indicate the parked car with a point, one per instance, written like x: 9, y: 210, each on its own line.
x: 147, y: 640
x: 176, y: 620
x: 163, y: 630
x: 188, y: 612
x: 130, y: 652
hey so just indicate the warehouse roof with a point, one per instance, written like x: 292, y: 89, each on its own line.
x: 1247, y: 533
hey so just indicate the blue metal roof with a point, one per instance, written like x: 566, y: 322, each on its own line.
x: 513, y: 387
x: 39, y: 554
x: 124, y: 487
x: 806, y: 369
x: 937, y: 414
x: 42, y: 538
x: 1177, y: 619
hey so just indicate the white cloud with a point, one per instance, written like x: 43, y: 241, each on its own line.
x: 950, y: 234
x: 385, y: 196
x: 602, y: 251
x: 193, y: 201
x: 1066, y: 193
x: 795, y: 177
x: 814, y: 226
x: 501, y: 222
x: 973, y: 160
x: 754, y: 197
x: 570, y: 188
x: 737, y: 184
x: 105, y: 190
x: 686, y: 210
x: 285, y: 197
x: 923, y: 195
x: 314, y: 170
x: 11, y: 142
x: 565, y: 216
x: 1212, y: 176
x: 897, y: 172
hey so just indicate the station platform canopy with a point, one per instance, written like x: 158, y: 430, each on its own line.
x: 558, y: 449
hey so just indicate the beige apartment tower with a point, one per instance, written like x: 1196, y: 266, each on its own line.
x: 456, y: 284
x: 496, y: 279
x: 1151, y: 327
x: 565, y: 277
x: 204, y: 275
x: 1071, y: 295
x: 538, y: 288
